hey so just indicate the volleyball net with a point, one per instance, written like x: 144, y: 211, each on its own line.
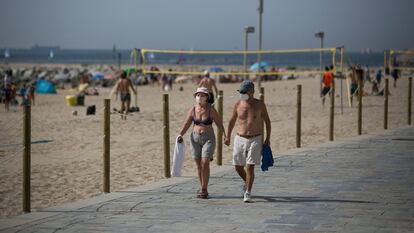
x: 402, y: 60
x: 238, y: 62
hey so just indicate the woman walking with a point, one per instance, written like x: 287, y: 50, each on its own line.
x: 203, y: 140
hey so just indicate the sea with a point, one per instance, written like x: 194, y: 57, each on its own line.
x: 50, y: 55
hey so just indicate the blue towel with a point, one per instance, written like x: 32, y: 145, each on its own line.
x: 267, y: 158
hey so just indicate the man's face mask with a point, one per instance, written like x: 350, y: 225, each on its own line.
x: 244, y: 96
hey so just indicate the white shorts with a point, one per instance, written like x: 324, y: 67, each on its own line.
x: 247, y: 150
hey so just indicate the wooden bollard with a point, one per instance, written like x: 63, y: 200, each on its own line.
x: 26, y: 158
x: 219, y: 133
x: 332, y: 113
x: 298, y: 115
x: 360, y: 91
x: 106, y: 146
x: 386, y: 104
x: 166, y: 126
x: 261, y: 95
x: 410, y: 83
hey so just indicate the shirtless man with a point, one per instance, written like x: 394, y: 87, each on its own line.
x: 247, y: 150
x: 208, y: 83
x: 122, y: 87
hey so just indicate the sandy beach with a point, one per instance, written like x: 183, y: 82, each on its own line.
x: 67, y: 149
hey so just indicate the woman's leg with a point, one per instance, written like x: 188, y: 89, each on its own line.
x: 199, y: 169
x: 205, y: 173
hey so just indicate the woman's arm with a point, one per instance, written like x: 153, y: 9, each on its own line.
x: 187, y: 123
x: 219, y: 122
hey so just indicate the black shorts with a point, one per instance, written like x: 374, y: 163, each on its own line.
x: 211, y: 98
x: 126, y: 97
x: 325, y: 90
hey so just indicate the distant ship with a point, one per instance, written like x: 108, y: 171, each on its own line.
x: 6, y: 53
x: 366, y: 51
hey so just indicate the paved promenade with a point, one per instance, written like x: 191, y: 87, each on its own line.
x: 364, y: 184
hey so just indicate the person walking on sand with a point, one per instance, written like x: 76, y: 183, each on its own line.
x: 327, y: 83
x: 122, y: 87
x: 203, y: 140
x: 7, y: 96
x: 209, y: 83
x: 250, y: 113
x: 31, y: 94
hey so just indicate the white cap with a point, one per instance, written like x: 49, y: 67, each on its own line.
x: 202, y: 90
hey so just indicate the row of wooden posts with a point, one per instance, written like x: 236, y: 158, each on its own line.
x: 166, y: 127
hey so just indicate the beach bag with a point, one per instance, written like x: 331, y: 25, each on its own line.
x: 178, y: 159
x: 80, y: 100
x: 90, y: 110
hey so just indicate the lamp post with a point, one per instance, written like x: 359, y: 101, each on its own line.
x: 260, y: 10
x: 320, y: 35
x: 247, y: 30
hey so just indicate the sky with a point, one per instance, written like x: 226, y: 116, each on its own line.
x: 206, y: 24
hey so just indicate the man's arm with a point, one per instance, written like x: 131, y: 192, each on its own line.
x: 266, y: 119
x: 115, y: 90
x: 201, y: 83
x: 215, y: 87
x: 232, y: 122
x: 132, y: 86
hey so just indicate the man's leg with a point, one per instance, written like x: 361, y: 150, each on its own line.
x: 249, y: 177
x: 122, y: 109
x: 128, y: 103
x: 240, y: 170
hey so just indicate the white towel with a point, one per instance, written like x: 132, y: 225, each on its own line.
x: 178, y: 158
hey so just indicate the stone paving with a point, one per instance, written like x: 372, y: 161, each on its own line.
x: 363, y: 184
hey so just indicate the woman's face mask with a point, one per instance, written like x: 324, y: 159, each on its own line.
x: 200, y: 99
x: 244, y: 96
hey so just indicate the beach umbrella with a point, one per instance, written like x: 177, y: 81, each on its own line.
x: 215, y: 69
x: 263, y: 64
x: 130, y: 70
x: 45, y: 87
x: 110, y: 76
x: 182, y: 79
x: 42, y: 75
x: 97, y: 76
x: 82, y: 87
x: 60, y: 76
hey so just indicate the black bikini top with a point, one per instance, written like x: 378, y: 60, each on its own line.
x: 207, y: 121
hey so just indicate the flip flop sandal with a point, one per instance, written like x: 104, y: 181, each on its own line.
x: 204, y: 195
x: 199, y: 194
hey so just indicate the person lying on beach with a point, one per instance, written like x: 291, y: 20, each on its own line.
x: 203, y: 140
x: 122, y: 87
